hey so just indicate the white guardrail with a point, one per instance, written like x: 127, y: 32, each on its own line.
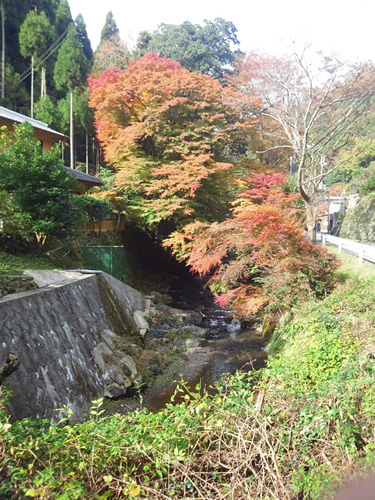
x: 361, y: 250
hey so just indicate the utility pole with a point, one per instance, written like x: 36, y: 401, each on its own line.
x: 2, y: 50
x: 43, y: 85
x: 71, y: 131
x: 32, y: 86
x: 87, y: 152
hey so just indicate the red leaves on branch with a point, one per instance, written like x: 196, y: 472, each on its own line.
x: 259, y: 255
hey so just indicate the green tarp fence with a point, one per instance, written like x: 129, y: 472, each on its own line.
x: 110, y: 259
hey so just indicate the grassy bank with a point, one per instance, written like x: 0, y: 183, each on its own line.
x: 17, y: 264
x: 295, y: 430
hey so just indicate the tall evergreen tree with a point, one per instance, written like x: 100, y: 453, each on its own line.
x: 83, y: 37
x: 48, y: 6
x: 46, y: 111
x: 109, y: 29
x: 15, y: 12
x: 71, y: 67
x: 36, y: 34
x: 63, y: 17
x: 142, y: 45
x: 112, y: 51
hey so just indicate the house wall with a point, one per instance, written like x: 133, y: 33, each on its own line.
x: 46, y: 138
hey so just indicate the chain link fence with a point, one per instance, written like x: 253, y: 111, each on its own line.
x: 110, y: 259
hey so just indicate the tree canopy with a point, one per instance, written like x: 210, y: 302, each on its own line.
x: 168, y: 132
x: 36, y: 34
x: 259, y: 254
x: 71, y: 67
x: 63, y: 17
x: 83, y: 37
x: 109, y: 29
x: 207, y: 49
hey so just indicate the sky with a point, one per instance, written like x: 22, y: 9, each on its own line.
x: 333, y: 26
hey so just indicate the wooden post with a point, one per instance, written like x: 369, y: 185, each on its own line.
x: 324, y: 239
x: 340, y: 246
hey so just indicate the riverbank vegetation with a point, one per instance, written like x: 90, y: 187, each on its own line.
x: 296, y: 429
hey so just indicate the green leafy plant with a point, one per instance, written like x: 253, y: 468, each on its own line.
x: 37, y: 187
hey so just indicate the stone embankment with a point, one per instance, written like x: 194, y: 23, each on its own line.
x: 16, y: 284
x: 77, y: 338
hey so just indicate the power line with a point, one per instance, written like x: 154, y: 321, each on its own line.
x: 56, y: 44
x: 49, y: 48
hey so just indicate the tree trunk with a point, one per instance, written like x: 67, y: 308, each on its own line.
x: 310, y: 221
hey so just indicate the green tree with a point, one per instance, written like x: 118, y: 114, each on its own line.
x: 109, y: 29
x: 15, y: 13
x: 204, y: 49
x: 39, y: 186
x: 63, y: 17
x: 36, y: 34
x: 83, y: 37
x: 46, y: 111
x: 83, y: 117
x: 50, y: 7
x: 71, y: 67
x: 142, y: 45
x: 16, y: 94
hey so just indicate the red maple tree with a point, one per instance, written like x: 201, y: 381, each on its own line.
x: 260, y: 254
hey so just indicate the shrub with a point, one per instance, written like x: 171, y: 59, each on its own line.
x: 92, y: 209
x: 36, y: 184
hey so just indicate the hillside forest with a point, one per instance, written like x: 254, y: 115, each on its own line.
x: 227, y: 161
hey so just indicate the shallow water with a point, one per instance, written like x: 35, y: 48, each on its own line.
x: 232, y: 346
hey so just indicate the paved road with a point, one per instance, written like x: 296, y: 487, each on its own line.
x: 364, y: 251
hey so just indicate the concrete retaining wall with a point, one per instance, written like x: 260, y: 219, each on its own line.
x: 54, y: 331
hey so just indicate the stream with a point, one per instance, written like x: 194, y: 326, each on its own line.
x: 230, y: 345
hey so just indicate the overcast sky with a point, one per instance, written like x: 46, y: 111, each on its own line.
x: 341, y: 26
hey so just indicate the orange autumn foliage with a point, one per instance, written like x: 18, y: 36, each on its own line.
x: 166, y: 130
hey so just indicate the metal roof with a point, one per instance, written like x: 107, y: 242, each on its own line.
x: 19, y: 118
x: 81, y: 176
